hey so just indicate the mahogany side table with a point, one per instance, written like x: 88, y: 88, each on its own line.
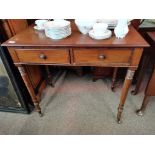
x: 33, y: 47
x: 150, y: 89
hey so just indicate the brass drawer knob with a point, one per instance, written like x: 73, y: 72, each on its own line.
x: 42, y: 56
x: 102, y: 57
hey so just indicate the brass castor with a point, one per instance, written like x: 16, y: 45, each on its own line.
x: 119, y: 121
x: 133, y: 92
x: 139, y: 113
x: 40, y: 114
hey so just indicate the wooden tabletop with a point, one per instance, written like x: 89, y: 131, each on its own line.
x: 32, y: 37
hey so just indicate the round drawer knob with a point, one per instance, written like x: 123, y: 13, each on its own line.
x: 42, y: 56
x: 102, y: 56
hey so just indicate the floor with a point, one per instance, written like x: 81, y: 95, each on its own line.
x: 79, y: 106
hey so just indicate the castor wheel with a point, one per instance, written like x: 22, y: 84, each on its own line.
x: 133, y: 92
x: 139, y: 113
x: 119, y: 121
x: 40, y: 114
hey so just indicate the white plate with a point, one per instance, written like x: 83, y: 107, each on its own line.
x: 36, y: 28
x: 106, y: 35
x: 111, y: 22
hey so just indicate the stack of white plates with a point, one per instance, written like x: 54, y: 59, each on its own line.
x: 111, y: 22
x: 57, y: 29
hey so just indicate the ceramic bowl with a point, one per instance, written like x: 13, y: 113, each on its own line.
x: 84, y: 26
x: 100, y: 28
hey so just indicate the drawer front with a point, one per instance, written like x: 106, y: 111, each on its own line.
x: 102, y: 56
x: 55, y: 56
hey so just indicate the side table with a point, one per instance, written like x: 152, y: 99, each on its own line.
x: 150, y: 89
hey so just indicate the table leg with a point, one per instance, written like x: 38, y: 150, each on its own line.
x: 141, y: 74
x: 140, y: 112
x: 126, y: 86
x: 49, y: 76
x: 79, y: 71
x: 29, y: 86
x: 114, y: 78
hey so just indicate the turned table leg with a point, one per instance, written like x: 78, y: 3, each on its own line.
x: 126, y: 86
x: 140, y: 112
x: 29, y: 86
x: 114, y: 78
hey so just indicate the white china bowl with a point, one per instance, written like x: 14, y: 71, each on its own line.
x: 84, y: 26
x: 57, y: 29
x: 100, y: 28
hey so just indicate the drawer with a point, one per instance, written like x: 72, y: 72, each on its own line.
x: 54, y: 56
x: 102, y: 56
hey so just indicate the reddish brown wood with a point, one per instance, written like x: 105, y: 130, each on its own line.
x: 150, y: 89
x: 136, y: 56
x: 114, y: 78
x: 38, y: 38
x: 152, y: 35
x: 13, y: 54
x: 145, y: 102
x: 79, y: 50
x: 126, y: 86
x: 5, y: 29
x: 43, y: 56
x: 11, y: 27
x: 145, y: 61
x: 135, y: 23
x: 17, y: 25
x: 31, y: 71
x: 30, y: 88
x: 101, y: 72
x: 102, y: 56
